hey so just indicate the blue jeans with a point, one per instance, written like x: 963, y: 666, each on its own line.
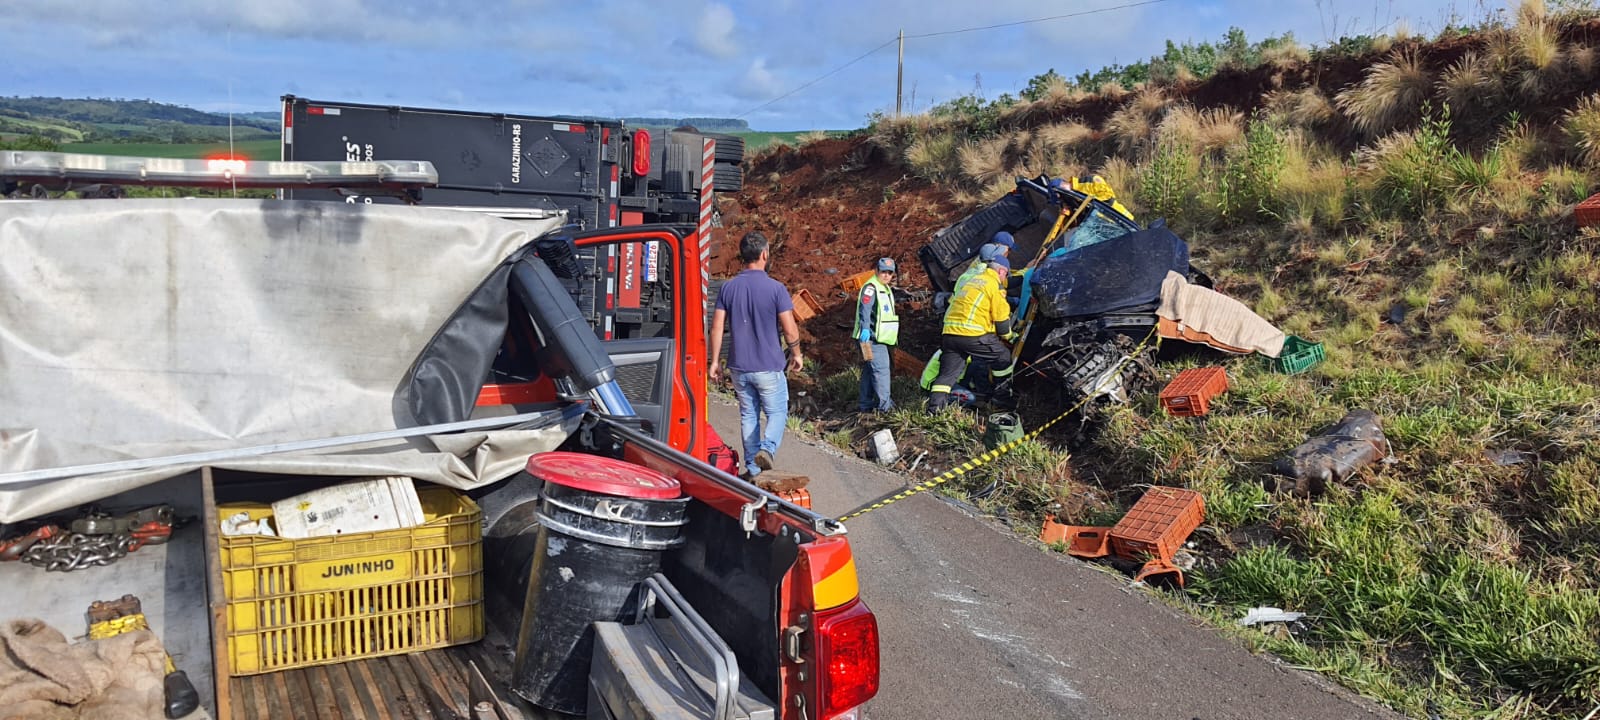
x: 875, y: 381
x: 761, y: 393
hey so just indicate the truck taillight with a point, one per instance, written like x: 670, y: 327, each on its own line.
x: 641, y: 152
x: 847, y: 652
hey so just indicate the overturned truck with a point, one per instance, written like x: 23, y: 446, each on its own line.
x: 1091, y: 286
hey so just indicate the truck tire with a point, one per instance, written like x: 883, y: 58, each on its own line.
x: 730, y: 148
x: 728, y: 178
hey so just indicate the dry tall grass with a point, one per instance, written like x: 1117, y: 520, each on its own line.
x: 934, y: 157
x: 984, y: 161
x: 1392, y: 94
x: 1582, y: 124
x: 1287, y: 52
x: 1468, y: 82
x: 1306, y: 107
x: 1132, y: 126
x: 1208, y: 132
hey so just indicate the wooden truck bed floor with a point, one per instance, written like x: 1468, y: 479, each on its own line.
x: 435, y: 684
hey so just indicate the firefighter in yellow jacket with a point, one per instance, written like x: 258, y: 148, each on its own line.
x: 978, y: 318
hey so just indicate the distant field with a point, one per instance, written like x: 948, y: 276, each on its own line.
x: 267, y: 149
x: 21, y: 126
x: 757, y: 140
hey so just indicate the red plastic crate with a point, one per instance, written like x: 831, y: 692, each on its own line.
x: 1158, y: 524
x: 1587, y: 213
x: 1190, y: 393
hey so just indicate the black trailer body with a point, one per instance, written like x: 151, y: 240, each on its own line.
x: 601, y: 172
x: 484, y: 160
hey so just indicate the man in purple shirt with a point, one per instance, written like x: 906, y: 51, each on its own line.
x: 755, y: 307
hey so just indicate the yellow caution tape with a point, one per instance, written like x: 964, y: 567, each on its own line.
x: 991, y: 455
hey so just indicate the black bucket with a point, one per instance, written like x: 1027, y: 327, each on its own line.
x: 603, y: 525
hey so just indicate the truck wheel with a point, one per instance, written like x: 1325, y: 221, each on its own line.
x: 730, y: 148
x: 728, y: 178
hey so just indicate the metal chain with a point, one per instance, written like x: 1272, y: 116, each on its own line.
x: 75, y: 551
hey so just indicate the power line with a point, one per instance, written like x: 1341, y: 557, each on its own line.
x: 1037, y: 20
x: 892, y: 41
x: 825, y: 76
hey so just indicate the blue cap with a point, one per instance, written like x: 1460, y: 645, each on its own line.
x: 886, y: 265
x: 1058, y: 183
x: 1004, y: 238
x: 988, y: 252
x: 1001, y: 262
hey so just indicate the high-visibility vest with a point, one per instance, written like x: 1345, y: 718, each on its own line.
x: 977, y: 306
x: 885, y: 323
x: 977, y: 266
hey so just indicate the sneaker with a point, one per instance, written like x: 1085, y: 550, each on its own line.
x: 763, y: 460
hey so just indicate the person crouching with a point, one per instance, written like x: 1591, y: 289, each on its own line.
x: 978, y: 318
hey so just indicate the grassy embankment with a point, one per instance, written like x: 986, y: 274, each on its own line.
x: 1461, y: 578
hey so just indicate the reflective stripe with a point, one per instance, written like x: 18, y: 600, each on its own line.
x: 941, y: 388
x: 1003, y: 372
x: 886, y: 323
x: 971, y: 311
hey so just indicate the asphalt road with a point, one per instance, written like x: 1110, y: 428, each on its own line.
x: 979, y: 624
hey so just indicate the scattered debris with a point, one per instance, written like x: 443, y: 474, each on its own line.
x: 1154, y: 530
x: 1190, y: 393
x: 1002, y: 428
x: 1258, y: 615
x: 883, y: 447
x: 1507, y: 457
x: 1333, y: 454
x: 240, y: 524
x: 1397, y: 313
x: 1298, y: 355
x: 805, y: 304
x: 778, y: 483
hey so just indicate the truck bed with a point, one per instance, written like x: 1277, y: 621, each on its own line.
x: 431, y: 684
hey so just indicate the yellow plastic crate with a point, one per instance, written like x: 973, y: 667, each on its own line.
x: 297, y: 603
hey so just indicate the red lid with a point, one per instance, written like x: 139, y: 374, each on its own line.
x: 603, y: 475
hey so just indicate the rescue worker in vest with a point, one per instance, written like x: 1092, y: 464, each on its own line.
x: 978, y: 318
x: 877, y: 330
x: 999, y: 247
x: 1096, y: 187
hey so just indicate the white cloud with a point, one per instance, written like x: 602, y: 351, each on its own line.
x: 758, y: 82
x: 713, y: 34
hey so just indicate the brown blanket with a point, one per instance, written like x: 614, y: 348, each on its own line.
x: 41, y: 676
x: 1202, y: 315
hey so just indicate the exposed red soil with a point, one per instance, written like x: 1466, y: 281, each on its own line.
x: 831, y: 209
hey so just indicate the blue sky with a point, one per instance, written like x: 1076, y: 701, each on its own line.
x: 673, y: 58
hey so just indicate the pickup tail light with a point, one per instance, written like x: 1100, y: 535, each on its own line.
x: 641, y: 152
x: 847, y: 649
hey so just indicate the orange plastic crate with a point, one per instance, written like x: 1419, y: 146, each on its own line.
x: 904, y: 363
x: 1190, y: 393
x: 801, y: 497
x: 1587, y: 213
x: 853, y: 283
x: 805, y: 305
x: 1158, y: 524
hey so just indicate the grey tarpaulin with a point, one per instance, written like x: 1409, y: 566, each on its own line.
x: 148, y: 328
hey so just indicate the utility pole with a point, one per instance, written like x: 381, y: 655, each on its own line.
x: 900, y: 73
